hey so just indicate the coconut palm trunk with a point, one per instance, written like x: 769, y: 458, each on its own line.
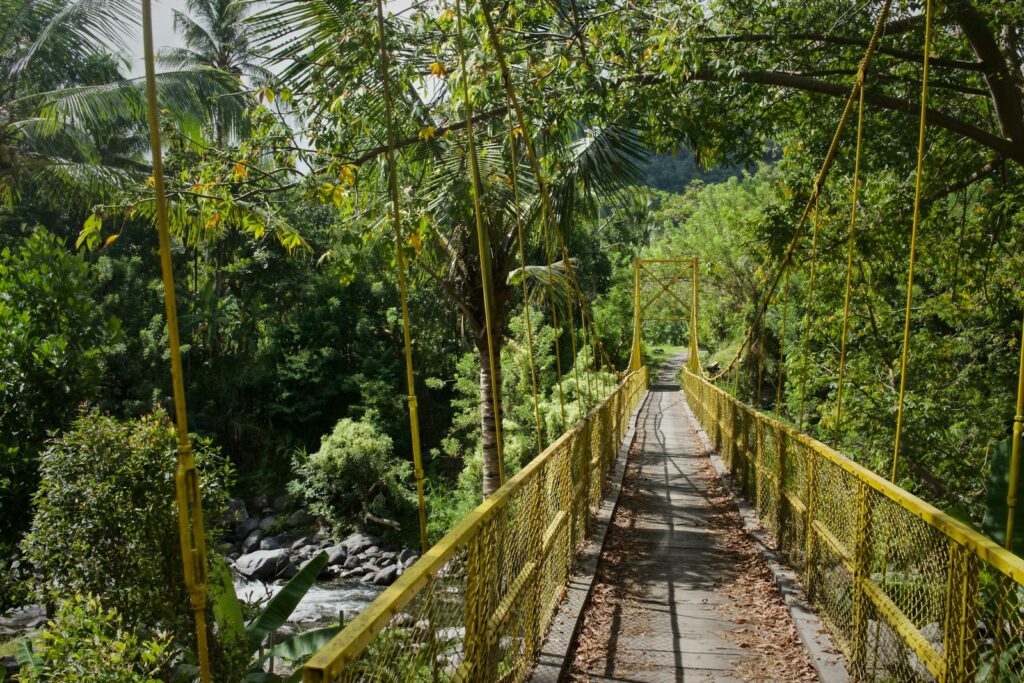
x: 490, y: 414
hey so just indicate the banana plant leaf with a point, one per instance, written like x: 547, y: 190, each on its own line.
x: 996, y: 509
x: 284, y: 602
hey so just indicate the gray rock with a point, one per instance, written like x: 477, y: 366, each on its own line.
x: 263, y: 564
x: 357, y: 543
x: 286, y: 539
x: 352, y: 573
x: 252, y: 541
x: 368, y: 577
x: 371, y: 568
x: 386, y: 561
x: 372, y: 551
x: 299, y: 543
x: 270, y: 543
x: 289, y: 570
x: 306, y: 550
x: 336, y: 554
x: 326, y: 573
x: 280, y: 503
x: 411, y: 560
x: 351, y: 561
x: 260, y: 503
x: 404, y: 556
x: 299, y: 518
x: 386, y: 576
x: 235, y: 512
x: 247, y: 527
x: 268, y: 522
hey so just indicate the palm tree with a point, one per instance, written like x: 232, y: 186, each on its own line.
x: 216, y: 34
x: 328, y: 53
x: 68, y: 120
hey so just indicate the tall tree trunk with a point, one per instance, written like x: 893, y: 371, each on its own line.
x: 490, y: 414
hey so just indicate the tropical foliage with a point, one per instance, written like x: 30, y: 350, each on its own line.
x: 546, y: 132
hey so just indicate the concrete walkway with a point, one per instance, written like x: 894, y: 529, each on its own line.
x: 667, y: 621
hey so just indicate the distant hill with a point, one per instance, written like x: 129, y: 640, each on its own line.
x: 673, y: 172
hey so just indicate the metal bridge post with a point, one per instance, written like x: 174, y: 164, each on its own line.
x: 635, y: 358
x: 812, y: 491
x: 780, y: 512
x: 482, y: 574
x: 960, y: 638
x: 861, y: 558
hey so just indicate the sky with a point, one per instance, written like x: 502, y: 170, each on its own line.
x: 163, y: 32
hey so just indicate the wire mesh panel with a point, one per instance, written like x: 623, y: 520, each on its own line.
x: 909, y: 593
x: 476, y: 606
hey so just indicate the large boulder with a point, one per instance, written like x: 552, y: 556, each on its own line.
x: 336, y: 554
x: 299, y: 518
x: 263, y: 564
x: 252, y: 541
x: 357, y: 543
x: 247, y: 527
x: 270, y: 543
x: 268, y: 522
x: 386, y: 576
x: 280, y: 503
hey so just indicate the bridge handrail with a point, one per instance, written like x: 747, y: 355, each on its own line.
x: 493, y: 581
x: 909, y: 592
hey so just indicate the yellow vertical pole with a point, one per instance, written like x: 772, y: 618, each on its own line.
x: 694, y: 361
x: 414, y: 422
x: 635, y: 359
x: 913, y: 237
x: 484, y: 248
x: 186, y: 479
x: 1018, y: 427
x: 782, y: 345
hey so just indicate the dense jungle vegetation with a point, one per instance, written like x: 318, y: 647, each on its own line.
x: 664, y: 128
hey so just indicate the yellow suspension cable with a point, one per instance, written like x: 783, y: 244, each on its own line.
x: 782, y: 345
x: 575, y: 364
x: 849, y: 261
x: 526, y: 293
x: 484, y: 245
x: 531, y: 154
x: 414, y: 423
x: 810, y: 305
x: 191, y: 534
x: 913, y: 235
x: 819, y: 182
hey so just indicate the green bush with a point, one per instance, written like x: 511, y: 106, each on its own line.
x: 51, y: 331
x: 105, y: 519
x: 86, y: 641
x: 355, y: 481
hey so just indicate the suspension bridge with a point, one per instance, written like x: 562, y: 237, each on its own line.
x: 905, y: 591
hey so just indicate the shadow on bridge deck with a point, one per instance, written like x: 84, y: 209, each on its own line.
x: 678, y: 578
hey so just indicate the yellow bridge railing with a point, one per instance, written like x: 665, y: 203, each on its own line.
x: 476, y: 606
x: 908, y: 592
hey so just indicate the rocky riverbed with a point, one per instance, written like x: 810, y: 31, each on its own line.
x: 271, y: 545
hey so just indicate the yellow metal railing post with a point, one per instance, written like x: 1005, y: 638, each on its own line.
x: 812, y: 492
x: 694, y: 361
x: 780, y: 512
x: 861, y: 557
x: 1015, y: 451
x: 960, y: 632
x: 635, y: 358
x: 186, y: 478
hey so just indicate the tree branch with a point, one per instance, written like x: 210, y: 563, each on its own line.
x: 845, y: 40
